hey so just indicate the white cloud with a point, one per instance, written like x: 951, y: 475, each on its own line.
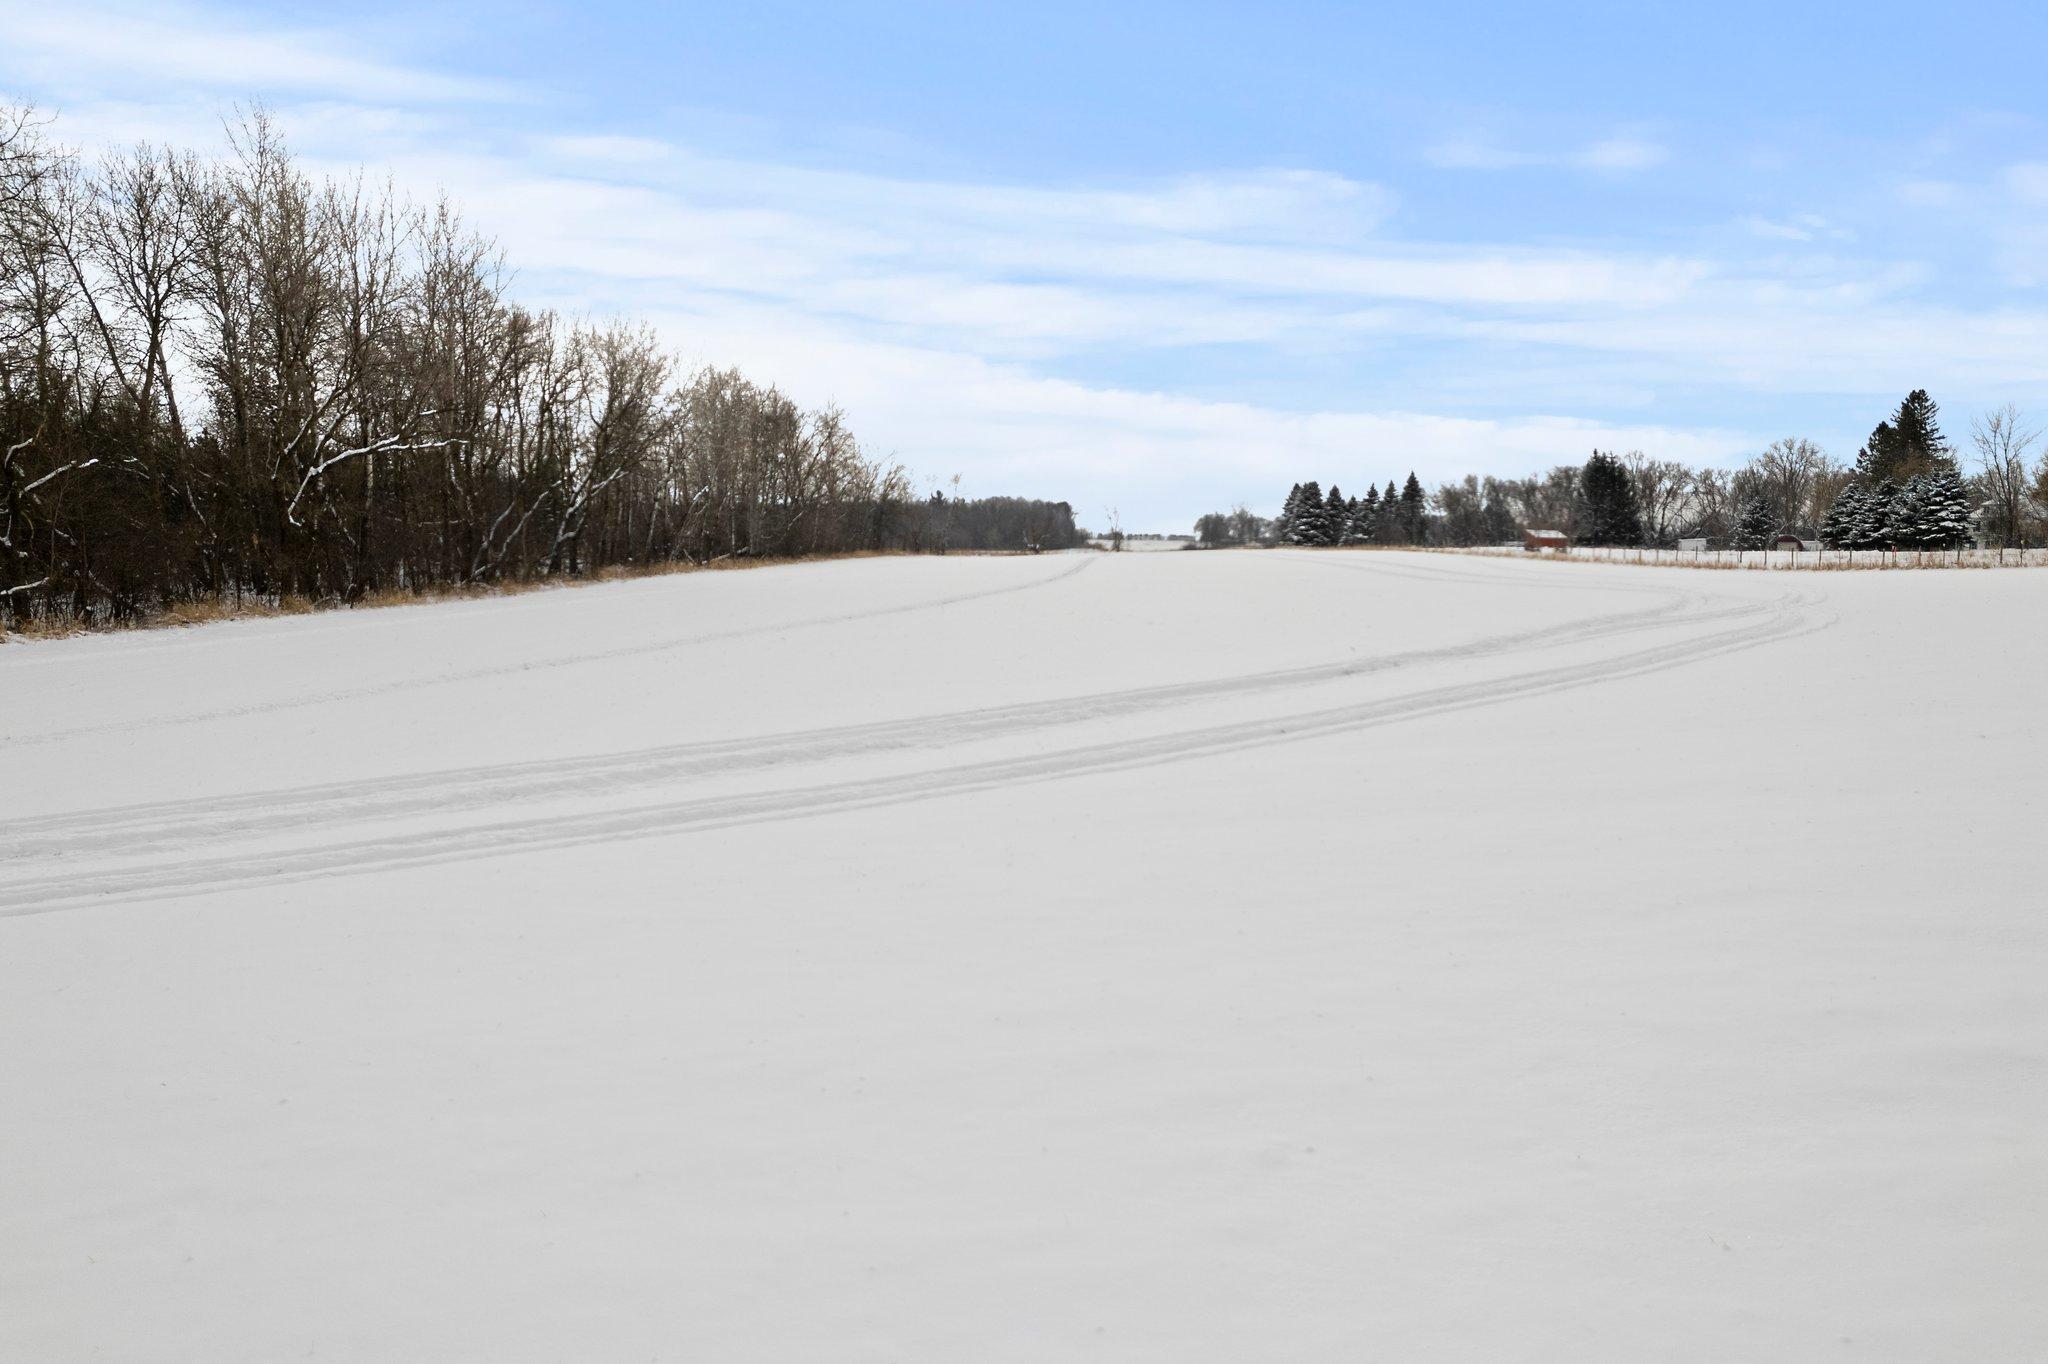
x: 1929, y: 193
x: 973, y: 326
x: 2028, y: 181
x: 1799, y: 227
x: 74, y: 46
x: 1621, y: 154
x: 1613, y: 154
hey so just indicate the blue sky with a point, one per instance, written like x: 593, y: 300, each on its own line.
x: 1169, y: 257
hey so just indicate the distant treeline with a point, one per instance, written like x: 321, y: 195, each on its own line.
x: 1906, y: 489
x: 221, y: 376
x: 998, y: 523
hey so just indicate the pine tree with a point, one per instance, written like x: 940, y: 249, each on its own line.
x: 1413, y: 505
x: 1883, y: 516
x: 1307, y: 526
x: 1365, y: 520
x: 1933, y: 511
x: 1947, y: 514
x: 1756, y: 526
x: 1357, y: 527
x: 1336, y: 517
x: 1910, y: 443
x: 1387, y: 528
x: 1283, y: 528
x: 1608, y: 513
x: 1844, y: 526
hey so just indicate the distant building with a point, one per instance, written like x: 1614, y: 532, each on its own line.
x: 1795, y: 542
x: 1537, y: 540
x: 1697, y: 542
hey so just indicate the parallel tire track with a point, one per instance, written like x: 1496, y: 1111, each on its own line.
x: 182, y: 878
x: 311, y: 699
x: 150, y: 827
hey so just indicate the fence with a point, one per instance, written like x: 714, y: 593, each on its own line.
x: 1787, y: 559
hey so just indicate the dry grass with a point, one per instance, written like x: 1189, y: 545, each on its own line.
x: 209, y: 610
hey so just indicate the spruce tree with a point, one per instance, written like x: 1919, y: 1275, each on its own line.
x: 1912, y: 520
x: 1608, y: 512
x: 1365, y: 522
x: 1948, y: 516
x: 1413, y: 505
x: 1387, y: 529
x: 1336, y: 517
x: 1357, y: 529
x: 1307, y: 526
x: 1283, y: 528
x: 1908, y: 444
x: 1883, y: 516
x: 1844, y: 525
x: 1757, y: 525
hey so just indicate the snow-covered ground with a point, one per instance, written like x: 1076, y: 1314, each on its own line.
x: 1279, y: 956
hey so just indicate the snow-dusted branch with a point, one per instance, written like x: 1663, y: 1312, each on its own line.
x: 59, y: 472
x: 389, y: 445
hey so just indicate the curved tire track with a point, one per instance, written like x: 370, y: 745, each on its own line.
x: 183, y: 878
x: 154, y: 826
x: 535, y: 665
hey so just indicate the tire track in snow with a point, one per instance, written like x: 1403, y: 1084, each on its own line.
x: 150, y: 827
x: 532, y: 665
x: 178, y: 879
x: 1431, y: 569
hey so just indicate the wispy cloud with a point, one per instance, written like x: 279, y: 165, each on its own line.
x: 2028, y: 181
x: 1080, y: 339
x: 1613, y: 154
x: 1799, y: 227
x: 74, y: 46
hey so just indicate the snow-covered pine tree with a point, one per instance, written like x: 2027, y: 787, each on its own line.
x: 1336, y: 517
x: 1283, y: 527
x: 1882, y: 521
x: 1947, y: 513
x: 1365, y: 516
x: 1307, y: 526
x: 1350, y: 532
x: 1756, y: 526
x: 1843, y: 527
x: 1912, y: 521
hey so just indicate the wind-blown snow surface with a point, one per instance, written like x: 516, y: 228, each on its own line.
x: 1288, y: 955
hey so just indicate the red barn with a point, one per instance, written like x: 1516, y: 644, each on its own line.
x: 1538, y: 540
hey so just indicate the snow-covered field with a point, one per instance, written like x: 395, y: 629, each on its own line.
x: 1277, y: 956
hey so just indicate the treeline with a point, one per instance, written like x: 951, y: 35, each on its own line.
x: 998, y: 523
x: 1907, y: 488
x: 222, y: 376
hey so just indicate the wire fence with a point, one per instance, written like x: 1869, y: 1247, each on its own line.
x: 1785, y: 560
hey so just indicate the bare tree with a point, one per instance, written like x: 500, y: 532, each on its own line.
x: 2005, y: 443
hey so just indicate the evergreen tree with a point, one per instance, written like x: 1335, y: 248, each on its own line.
x: 1365, y: 520
x: 1307, y: 526
x: 1845, y: 526
x: 1608, y: 512
x: 1336, y: 517
x: 1357, y: 523
x: 1757, y: 525
x: 1947, y: 515
x: 1283, y: 528
x: 1910, y: 527
x: 1910, y: 443
x: 1413, y: 505
x: 1883, y: 516
x: 1387, y: 528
